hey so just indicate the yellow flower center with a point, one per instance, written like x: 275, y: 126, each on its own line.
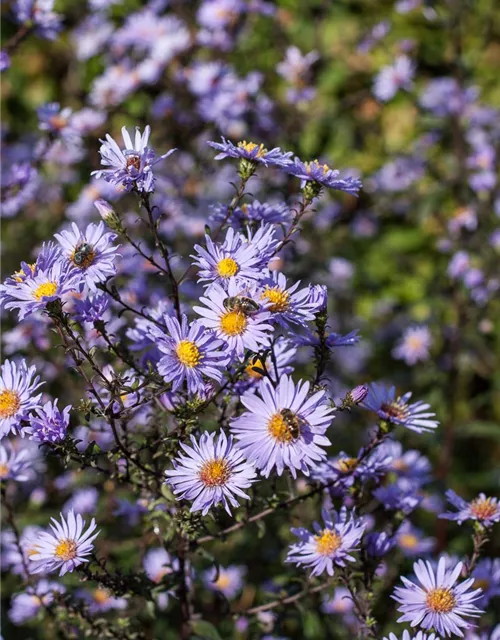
x: 249, y: 370
x: 310, y: 166
x: 66, y: 550
x: 100, y: 596
x: 399, y: 465
x: 327, y: 542
x: 233, y: 323
x: 279, y: 299
x: 227, y: 267
x: 223, y: 581
x: 215, y: 473
x: 483, y: 508
x: 282, y: 428
x: 440, y: 600
x: 408, y: 540
x: 45, y: 289
x: 346, y: 464
x: 414, y: 342
x: 4, y: 470
x: 9, y: 403
x: 188, y: 353
x: 249, y: 147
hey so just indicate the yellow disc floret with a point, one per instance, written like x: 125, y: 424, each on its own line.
x: 45, y: 289
x: 66, y: 550
x: 188, y: 353
x: 227, y: 267
x: 440, y: 600
x: 9, y: 403
x: 233, y: 323
x: 327, y: 542
x: 483, y: 508
x: 250, y: 147
x: 279, y: 428
x: 215, y: 473
x: 279, y: 299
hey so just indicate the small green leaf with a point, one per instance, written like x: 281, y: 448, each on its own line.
x: 205, y: 630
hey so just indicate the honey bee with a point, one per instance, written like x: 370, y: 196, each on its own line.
x: 241, y: 304
x: 292, y: 421
x: 82, y: 252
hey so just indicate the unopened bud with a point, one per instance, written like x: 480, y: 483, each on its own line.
x: 108, y: 214
x: 358, y: 394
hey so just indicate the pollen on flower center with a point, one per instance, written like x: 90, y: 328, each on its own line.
x: 281, y: 429
x: 396, y: 410
x: 483, y: 508
x: 233, y: 323
x: 346, y: 464
x: 440, y: 600
x: 188, y: 353
x: 408, y: 540
x: 215, y: 473
x: 9, y: 403
x: 66, y: 550
x: 249, y: 147
x: 45, y: 289
x: 279, y: 299
x: 227, y: 267
x: 4, y: 470
x: 223, y: 581
x: 327, y: 542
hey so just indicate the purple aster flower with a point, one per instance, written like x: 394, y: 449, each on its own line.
x: 89, y: 253
x: 14, y: 465
x: 26, y: 605
x: 391, y: 78
x: 40, y: 14
x: 484, y: 510
x: 289, y: 305
x: 19, y: 187
x: 236, y: 260
x: 401, y: 496
x: 65, y: 547
x: 252, y: 152
x: 33, y: 293
x: 4, y: 61
x: 191, y: 352
x: 406, y: 636
x: 101, y: 600
x: 91, y: 308
x: 410, y: 464
x: 48, y: 423
x: 414, y: 345
x: 82, y: 501
x: 341, y: 602
x: 382, y: 400
x: 444, y: 96
x: 56, y: 120
x: 284, y: 428
x: 252, y: 213
x: 411, y: 541
x: 211, y: 472
x: 487, y: 577
x: 232, y: 324
x: 328, y: 546
x: 18, y: 399
x: 321, y: 175
x: 438, y: 602
x: 378, y: 543
x: 131, y: 167
x: 227, y: 580
x: 158, y: 564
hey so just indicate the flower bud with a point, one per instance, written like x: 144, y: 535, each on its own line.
x: 108, y: 214
x: 358, y: 394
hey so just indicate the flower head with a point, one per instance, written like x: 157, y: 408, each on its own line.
x: 284, y: 428
x: 394, y: 77
x: 252, y: 152
x: 438, y: 602
x: 131, y: 167
x: 18, y: 399
x: 63, y: 548
x: 227, y: 580
x: 398, y: 411
x: 213, y: 471
x: 158, y: 564
x: 321, y: 175
x: 482, y: 509
x: 406, y: 636
x: 14, y: 465
x: 232, y: 324
x: 26, y: 605
x: 90, y: 253
x: 414, y: 345
x: 190, y: 353
x: 48, y: 423
x: 329, y: 545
